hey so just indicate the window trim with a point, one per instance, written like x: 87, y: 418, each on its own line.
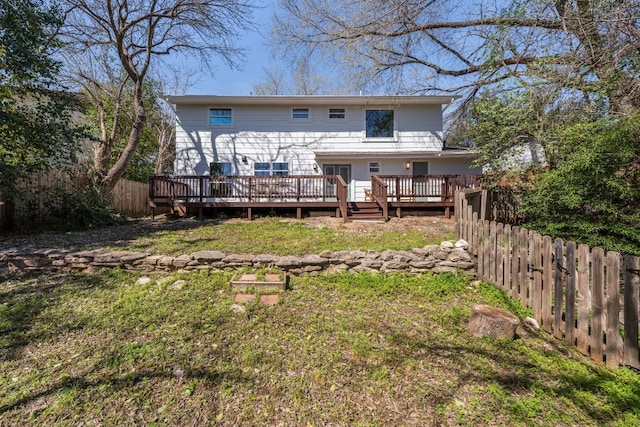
x: 380, y: 138
x: 232, y: 117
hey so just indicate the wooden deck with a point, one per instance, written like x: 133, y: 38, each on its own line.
x: 304, y: 193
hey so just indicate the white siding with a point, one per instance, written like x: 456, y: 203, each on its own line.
x: 268, y: 134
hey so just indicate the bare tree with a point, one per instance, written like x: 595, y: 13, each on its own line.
x: 452, y: 45
x: 137, y: 34
x: 302, y: 78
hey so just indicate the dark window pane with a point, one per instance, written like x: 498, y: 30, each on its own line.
x: 379, y: 123
x: 300, y: 113
x: 220, y: 116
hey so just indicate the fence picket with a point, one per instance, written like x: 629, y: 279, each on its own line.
x: 492, y: 251
x: 631, y: 288
x: 473, y: 245
x: 481, y: 250
x: 487, y: 246
x: 524, y: 267
x: 597, y: 302
x: 515, y: 263
x: 570, y: 331
x: 508, y: 282
x: 536, y: 273
x: 547, y: 283
x: 583, y: 299
x: 613, y: 346
x: 558, y: 287
x: 499, y: 256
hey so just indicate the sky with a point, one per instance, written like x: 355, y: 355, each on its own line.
x: 258, y: 56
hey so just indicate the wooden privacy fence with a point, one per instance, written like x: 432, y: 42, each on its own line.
x: 129, y: 197
x: 585, y: 296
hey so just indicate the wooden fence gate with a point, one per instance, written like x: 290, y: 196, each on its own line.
x: 585, y: 296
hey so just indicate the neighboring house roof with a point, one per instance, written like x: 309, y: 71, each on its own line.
x: 310, y: 99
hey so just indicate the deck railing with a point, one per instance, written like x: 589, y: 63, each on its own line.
x: 200, y: 188
x: 379, y: 195
x: 342, y: 193
x: 416, y: 187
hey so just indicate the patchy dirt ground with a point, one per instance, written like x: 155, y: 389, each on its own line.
x: 421, y: 223
x: 106, y: 236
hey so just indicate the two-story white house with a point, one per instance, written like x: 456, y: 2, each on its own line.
x: 355, y: 137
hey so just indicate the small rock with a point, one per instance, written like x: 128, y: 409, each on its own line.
x: 531, y: 323
x: 178, y: 373
x: 462, y: 244
x: 143, y: 280
x: 447, y: 244
x: 178, y: 284
x: 237, y: 308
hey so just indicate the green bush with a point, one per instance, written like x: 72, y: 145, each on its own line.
x: 593, y: 193
x: 65, y: 207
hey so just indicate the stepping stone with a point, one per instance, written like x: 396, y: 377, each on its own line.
x: 245, y: 298
x: 277, y: 282
x: 269, y: 299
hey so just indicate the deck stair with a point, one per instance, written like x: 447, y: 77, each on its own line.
x: 365, y: 211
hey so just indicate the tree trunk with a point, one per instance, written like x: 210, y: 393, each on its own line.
x: 117, y: 170
x: 494, y: 322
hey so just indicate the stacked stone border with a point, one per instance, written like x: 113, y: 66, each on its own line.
x: 446, y: 257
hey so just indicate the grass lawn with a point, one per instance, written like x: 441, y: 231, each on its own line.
x: 263, y: 235
x: 342, y: 349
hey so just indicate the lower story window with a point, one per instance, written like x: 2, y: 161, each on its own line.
x: 280, y: 168
x: 267, y: 169
x: 374, y: 167
x: 220, y: 169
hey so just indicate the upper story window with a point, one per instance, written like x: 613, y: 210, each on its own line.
x: 337, y: 113
x: 220, y: 116
x: 374, y: 167
x: 379, y: 123
x: 300, y: 114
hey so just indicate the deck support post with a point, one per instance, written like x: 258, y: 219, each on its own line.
x: 399, y: 212
x: 447, y: 212
x: 299, y: 213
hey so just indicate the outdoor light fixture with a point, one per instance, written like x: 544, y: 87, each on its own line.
x: 315, y: 167
x: 407, y: 165
x: 244, y: 160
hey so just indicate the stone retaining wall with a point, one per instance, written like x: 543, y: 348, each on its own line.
x: 448, y: 256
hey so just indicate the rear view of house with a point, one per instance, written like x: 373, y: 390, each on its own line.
x: 356, y: 138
